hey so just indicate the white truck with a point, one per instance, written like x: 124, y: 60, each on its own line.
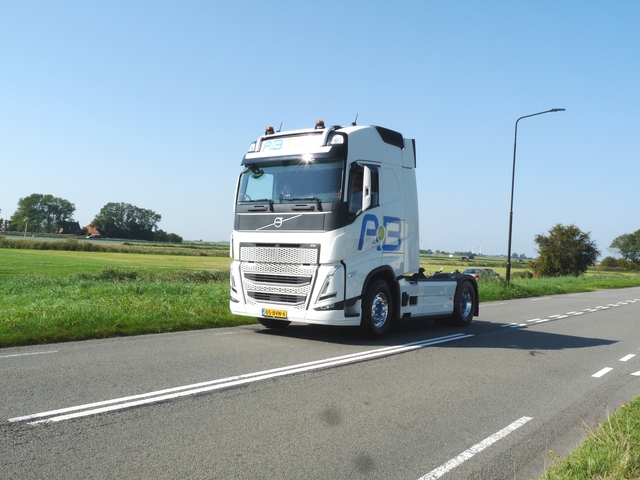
x: 326, y: 232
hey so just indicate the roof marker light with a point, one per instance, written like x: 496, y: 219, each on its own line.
x: 319, y: 124
x: 269, y: 130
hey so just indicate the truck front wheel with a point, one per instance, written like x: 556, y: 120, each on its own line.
x: 464, y: 304
x: 377, y: 309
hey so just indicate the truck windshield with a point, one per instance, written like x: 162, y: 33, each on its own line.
x: 292, y: 181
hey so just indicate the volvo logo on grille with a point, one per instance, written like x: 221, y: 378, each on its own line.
x: 278, y: 222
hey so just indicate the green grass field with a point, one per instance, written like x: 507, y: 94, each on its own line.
x: 52, y: 296
x: 65, y: 263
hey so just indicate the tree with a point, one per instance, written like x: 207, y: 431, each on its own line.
x: 122, y: 220
x: 174, y: 238
x: 628, y: 245
x: 42, y: 212
x: 162, y: 236
x: 565, y: 251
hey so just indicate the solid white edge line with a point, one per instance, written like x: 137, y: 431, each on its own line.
x: 28, y: 354
x: 477, y: 448
x: 602, y: 372
x: 187, y: 390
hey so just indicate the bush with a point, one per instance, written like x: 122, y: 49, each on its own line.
x: 527, y: 274
x: 627, y: 265
x: 608, y: 262
x: 619, y: 264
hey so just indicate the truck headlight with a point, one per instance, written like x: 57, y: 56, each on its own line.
x: 232, y: 281
x: 330, y: 286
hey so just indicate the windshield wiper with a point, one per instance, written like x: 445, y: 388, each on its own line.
x: 262, y: 200
x: 306, y: 199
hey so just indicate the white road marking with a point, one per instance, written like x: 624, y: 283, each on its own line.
x: 477, y: 448
x: 188, y: 390
x: 535, y: 321
x: 602, y: 372
x: 636, y: 374
x: 626, y: 358
x: 27, y: 354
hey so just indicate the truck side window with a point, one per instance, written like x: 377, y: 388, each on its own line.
x: 356, y: 185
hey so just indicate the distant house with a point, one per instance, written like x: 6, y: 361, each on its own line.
x: 91, y: 230
x: 69, y: 228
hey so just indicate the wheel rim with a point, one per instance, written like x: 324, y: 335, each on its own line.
x: 379, y: 310
x: 466, y: 303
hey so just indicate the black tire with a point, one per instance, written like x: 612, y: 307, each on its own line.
x: 377, y: 310
x: 273, y: 323
x: 464, y: 304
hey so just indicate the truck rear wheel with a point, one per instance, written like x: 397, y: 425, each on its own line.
x: 464, y: 304
x: 273, y: 323
x: 377, y: 309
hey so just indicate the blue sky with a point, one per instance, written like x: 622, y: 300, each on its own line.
x: 154, y: 103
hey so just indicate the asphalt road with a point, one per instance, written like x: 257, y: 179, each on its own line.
x: 495, y: 400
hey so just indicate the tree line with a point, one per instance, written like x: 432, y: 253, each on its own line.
x: 48, y: 214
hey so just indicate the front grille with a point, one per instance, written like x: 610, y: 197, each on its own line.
x: 277, y: 279
x: 277, y: 298
x: 281, y: 275
x: 301, y: 256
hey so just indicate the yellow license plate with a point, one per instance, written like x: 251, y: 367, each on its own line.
x: 273, y: 313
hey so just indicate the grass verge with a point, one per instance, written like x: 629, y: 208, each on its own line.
x: 493, y: 290
x: 610, y: 450
x: 112, y: 302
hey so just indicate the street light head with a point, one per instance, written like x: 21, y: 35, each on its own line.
x: 557, y: 110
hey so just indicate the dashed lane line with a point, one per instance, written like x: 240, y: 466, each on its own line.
x: 477, y: 448
x: 602, y: 372
x: 599, y: 308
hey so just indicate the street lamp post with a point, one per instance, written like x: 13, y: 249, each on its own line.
x: 513, y: 176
